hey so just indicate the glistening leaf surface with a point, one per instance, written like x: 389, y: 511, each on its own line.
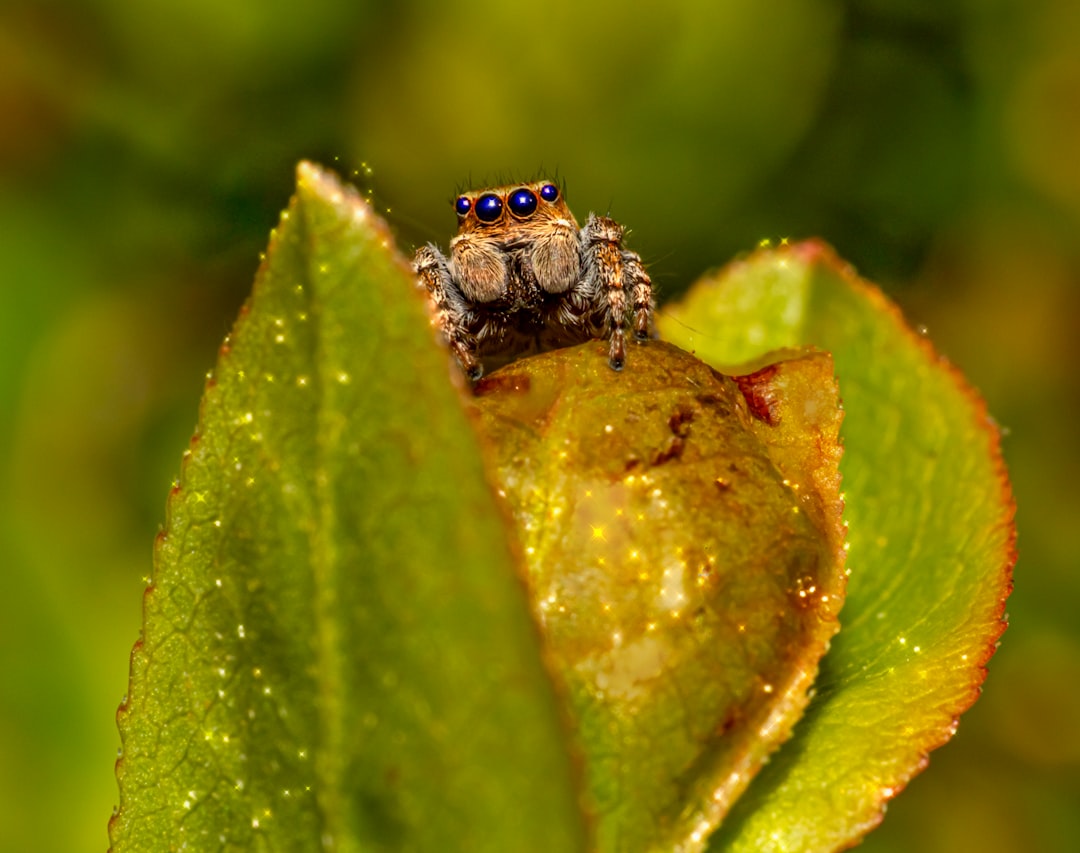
x: 684, y: 544
x: 337, y: 652
x: 931, y: 538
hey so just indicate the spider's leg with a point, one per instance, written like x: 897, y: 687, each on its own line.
x: 448, y: 306
x: 606, y: 268
x: 639, y: 285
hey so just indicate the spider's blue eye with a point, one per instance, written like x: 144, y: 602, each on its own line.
x: 462, y: 205
x: 522, y: 202
x: 488, y: 207
x: 549, y: 192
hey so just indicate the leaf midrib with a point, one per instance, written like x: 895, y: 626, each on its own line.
x: 329, y: 664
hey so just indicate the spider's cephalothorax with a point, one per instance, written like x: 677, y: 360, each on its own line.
x: 522, y: 277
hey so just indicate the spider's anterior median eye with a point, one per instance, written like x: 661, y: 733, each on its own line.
x: 462, y: 205
x: 522, y: 202
x: 549, y: 192
x: 488, y: 207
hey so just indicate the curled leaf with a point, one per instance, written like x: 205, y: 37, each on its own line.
x: 931, y: 535
x: 684, y: 549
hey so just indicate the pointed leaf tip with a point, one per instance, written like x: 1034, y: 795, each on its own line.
x: 336, y: 647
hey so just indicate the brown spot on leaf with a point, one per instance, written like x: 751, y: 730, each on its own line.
x: 680, y: 421
x: 672, y: 451
x: 721, y: 405
x: 760, y: 394
x: 512, y: 383
x: 730, y: 721
x: 679, y: 424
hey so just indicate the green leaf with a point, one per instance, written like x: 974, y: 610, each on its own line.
x: 931, y: 538
x: 337, y: 652
x: 685, y: 555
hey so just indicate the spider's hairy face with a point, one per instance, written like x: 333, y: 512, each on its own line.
x: 530, y: 219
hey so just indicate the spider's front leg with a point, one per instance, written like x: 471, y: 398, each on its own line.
x: 618, y: 277
x: 433, y: 270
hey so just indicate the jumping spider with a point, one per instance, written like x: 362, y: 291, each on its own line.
x: 522, y: 277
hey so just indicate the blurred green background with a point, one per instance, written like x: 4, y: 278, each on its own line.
x: 146, y: 149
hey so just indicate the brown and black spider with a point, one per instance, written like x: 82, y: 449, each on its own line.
x: 523, y: 277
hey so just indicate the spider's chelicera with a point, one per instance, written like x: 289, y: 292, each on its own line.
x: 523, y: 277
